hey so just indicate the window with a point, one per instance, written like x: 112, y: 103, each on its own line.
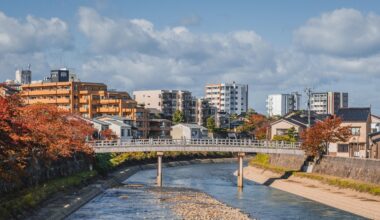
x: 122, y: 132
x: 281, y: 131
x: 355, y: 131
x: 343, y: 148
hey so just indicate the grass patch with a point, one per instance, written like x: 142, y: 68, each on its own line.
x: 262, y: 161
x: 13, y: 204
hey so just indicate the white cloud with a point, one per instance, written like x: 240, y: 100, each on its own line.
x: 133, y: 54
x: 343, y: 32
x: 32, y: 35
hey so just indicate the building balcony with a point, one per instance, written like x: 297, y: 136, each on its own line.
x: 83, y: 110
x: 109, y: 101
x: 107, y: 110
x: 46, y: 92
x: 49, y: 101
x: 83, y: 101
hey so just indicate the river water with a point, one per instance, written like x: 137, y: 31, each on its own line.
x: 217, y: 180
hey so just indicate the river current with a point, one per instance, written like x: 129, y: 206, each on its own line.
x: 217, y: 180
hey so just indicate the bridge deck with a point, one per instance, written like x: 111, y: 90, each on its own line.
x: 196, y: 145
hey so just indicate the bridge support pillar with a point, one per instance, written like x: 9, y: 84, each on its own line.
x: 240, y: 170
x: 159, y: 168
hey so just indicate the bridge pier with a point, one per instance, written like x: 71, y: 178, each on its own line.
x: 159, y: 168
x: 240, y: 170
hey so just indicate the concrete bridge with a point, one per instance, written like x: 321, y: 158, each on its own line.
x: 241, y: 147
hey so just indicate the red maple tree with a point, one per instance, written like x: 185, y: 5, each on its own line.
x: 37, y: 132
x: 317, y: 138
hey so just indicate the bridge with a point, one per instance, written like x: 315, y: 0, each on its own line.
x: 239, y: 146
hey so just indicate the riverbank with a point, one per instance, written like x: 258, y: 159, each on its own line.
x: 363, y: 204
x: 194, y: 204
x: 61, y: 206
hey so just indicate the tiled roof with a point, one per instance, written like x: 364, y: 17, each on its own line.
x: 354, y: 114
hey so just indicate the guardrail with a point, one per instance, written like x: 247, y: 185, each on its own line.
x: 196, y: 142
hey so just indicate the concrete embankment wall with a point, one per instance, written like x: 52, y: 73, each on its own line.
x: 42, y: 172
x: 288, y: 161
x: 367, y: 170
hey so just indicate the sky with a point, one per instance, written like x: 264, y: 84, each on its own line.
x: 273, y: 46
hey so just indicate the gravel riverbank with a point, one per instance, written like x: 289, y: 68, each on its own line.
x: 193, y: 204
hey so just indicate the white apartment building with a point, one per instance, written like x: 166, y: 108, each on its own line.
x: 231, y: 98
x: 167, y: 102
x: 328, y: 102
x: 282, y: 104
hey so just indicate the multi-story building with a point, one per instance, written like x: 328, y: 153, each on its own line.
x: 88, y: 99
x: 282, y: 104
x: 328, y: 102
x: 23, y: 76
x: 231, y: 98
x: 167, y: 102
x: 203, y: 110
x: 61, y: 75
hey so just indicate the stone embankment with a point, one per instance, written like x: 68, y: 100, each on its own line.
x: 193, y: 204
x: 62, y: 205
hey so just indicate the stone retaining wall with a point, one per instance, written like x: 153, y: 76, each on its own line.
x: 367, y: 170
x: 288, y: 161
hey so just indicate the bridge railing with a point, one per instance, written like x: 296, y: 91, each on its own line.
x: 196, y: 142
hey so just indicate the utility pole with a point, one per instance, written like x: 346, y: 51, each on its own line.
x: 308, y: 93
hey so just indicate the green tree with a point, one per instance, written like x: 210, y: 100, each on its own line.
x: 211, y: 124
x: 178, y: 117
x: 290, y: 136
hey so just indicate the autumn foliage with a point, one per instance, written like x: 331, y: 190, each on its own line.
x: 257, y: 125
x: 37, y: 132
x: 317, y: 138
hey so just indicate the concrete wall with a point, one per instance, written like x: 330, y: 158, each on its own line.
x: 367, y: 170
x: 289, y: 161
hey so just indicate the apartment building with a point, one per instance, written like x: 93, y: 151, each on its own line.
x: 231, y: 98
x: 203, y: 110
x: 328, y: 102
x: 90, y: 100
x: 23, y: 76
x: 167, y: 102
x: 282, y: 104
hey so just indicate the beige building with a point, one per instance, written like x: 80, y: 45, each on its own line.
x: 296, y: 120
x: 90, y: 100
x: 188, y: 131
x: 328, y: 102
x: 374, y: 145
x: 167, y: 102
x: 359, y: 119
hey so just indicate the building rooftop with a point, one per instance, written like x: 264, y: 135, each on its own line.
x: 354, y: 114
x: 191, y: 126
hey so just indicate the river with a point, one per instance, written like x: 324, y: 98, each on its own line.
x: 217, y: 180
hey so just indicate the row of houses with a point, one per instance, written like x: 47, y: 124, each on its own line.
x: 125, y: 129
x: 365, y: 129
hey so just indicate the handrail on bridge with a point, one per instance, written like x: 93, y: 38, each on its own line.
x: 195, y: 142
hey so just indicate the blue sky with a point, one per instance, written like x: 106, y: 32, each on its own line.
x: 274, y: 46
